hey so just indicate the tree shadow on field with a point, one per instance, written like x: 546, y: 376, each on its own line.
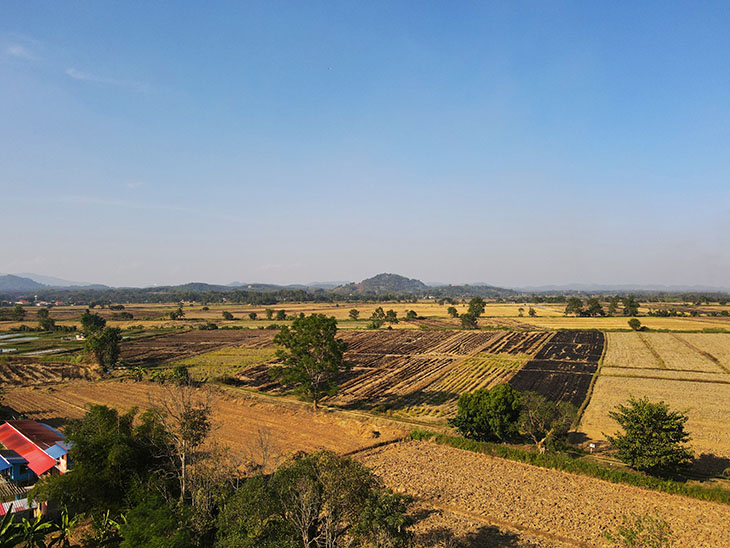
x: 487, y: 536
x: 711, y: 465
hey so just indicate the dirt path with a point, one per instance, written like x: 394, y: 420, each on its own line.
x: 561, y: 509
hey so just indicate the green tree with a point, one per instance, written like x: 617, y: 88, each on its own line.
x: 631, y: 306
x: 613, y: 305
x: 641, y: 531
x: 451, y: 311
x: 281, y: 315
x: 42, y: 313
x: 18, y: 313
x: 532, y: 312
x: 488, y: 414
x: 154, y: 523
x: 252, y: 315
x: 178, y: 314
x: 311, y: 354
x: 104, y: 346
x: 354, y: 314
x: 391, y: 316
x: 411, y: 315
x: 653, y: 438
x: 92, y: 323
x: 635, y: 324
x: 468, y: 321
x: 574, y: 306
x: 227, y: 315
x: 313, y: 500
x: 593, y: 307
x: 476, y: 306
x: 269, y: 313
x: 45, y: 322
x: 544, y: 421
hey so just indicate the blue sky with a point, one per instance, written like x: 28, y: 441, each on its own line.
x: 510, y: 143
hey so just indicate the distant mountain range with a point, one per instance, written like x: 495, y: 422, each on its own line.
x: 379, y: 285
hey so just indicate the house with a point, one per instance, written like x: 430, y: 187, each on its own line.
x: 43, y: 448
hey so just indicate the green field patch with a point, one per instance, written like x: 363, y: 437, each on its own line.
x: 225, y: 361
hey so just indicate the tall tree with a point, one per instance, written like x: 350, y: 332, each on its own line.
x: 311, y: 355
x: 574, y: 306
x: 104, y: 346
x: 354, y: 314
x: 92, y: 323
x: 631, y: 306
x: 653, y: 438
x: 543, y: 420
x: 476, y: 306
x: 18, y: 313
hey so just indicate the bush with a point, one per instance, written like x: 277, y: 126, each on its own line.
x: 488, y: 414
x: 639, y: 531
x: 635, y: 324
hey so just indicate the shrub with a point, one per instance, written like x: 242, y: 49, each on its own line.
x: 488, y: 414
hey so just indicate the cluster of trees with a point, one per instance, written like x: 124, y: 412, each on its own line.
x: 593, y: 307
x: 470, y: 318
x: 153, y: 479
x: 102, y: 343
x: 653, y: 437
x: 503, y: 414
x: 380, y: 316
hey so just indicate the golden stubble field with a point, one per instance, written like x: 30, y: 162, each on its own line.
x: 687, y: 370
x: 237, y: 419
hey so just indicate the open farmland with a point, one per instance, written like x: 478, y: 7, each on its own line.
x: 422, y: 373
x: 21, y: 371
x: 176, y: 346
x: 687, y: 370
x: 237, y: 418
x: 563, y: 368
x: 560, y: 509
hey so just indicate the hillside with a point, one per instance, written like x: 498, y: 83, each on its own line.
x: 383, y: 284
x: 10, y: 283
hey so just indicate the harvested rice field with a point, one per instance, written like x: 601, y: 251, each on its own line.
x: 687, y: 370
x: 522, y: 502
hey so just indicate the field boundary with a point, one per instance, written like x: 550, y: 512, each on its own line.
x: 569, y: 464
x: 653, y: 351
x: 707, y: 355
x: 589, y: 394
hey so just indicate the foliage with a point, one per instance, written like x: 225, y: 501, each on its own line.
x: 18, y: 313
x: 476, y: 307
x: 631, y: 306
x: 269, y: 313
x: 153, y: 523
x: 654, y: 437
x: 109, y: 457
x: 641, y: 531
x: 531, y: 311
x: 178, y: 314
x: 468, y: 321
x: 103, y: 346
x: 252, y: 315
x: 411, y: 315
x: 544, y: 421
x: 92, y: 323
x: 312, y: 355
x: 281, y: 315
x: 593, y: 307
x: 488, y: 414
x: 451, y: 311
x: 574, y: 306
x: 227, y: 315
x: 320, y: 499
x: 354, y: 314
x: 391, y: 316
x: 635, y: 324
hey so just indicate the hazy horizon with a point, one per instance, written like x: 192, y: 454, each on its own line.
x: 515, y: 144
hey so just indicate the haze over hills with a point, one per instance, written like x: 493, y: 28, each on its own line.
x: 382, y: 284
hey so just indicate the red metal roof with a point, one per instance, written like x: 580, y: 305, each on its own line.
x: 29, y: 439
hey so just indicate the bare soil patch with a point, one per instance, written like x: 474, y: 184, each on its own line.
x: 558, y: 507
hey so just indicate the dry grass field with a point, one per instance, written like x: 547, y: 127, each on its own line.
x: 686, y: 370
x: 526, y: 502
x: 237, y: 418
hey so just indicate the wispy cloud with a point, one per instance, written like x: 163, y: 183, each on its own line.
x: 20, y: 52
x: 93, y: 78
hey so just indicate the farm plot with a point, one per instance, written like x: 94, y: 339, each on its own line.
x: 27, y: 371
x: 563, y: 368
x: 164, y: 348
x: 419, y: 372
x: 690, y: 376
x: 557, y: 507
x: 237, y: 420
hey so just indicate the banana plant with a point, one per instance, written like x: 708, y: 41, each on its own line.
x: 34, y: 532
x: 10, y: 532
x: 65, y: 528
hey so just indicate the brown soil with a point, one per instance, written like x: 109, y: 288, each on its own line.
x: 561, y: 508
